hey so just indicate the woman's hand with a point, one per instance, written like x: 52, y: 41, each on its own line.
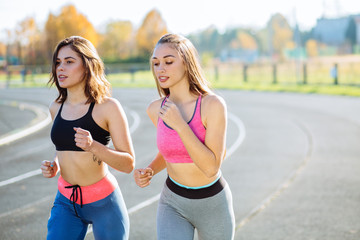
x: 143, y: 176
x: 171, y: 115
x: 49, y: 169
x: 83, y: 139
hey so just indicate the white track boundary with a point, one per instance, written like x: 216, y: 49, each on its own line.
x: 133, y: 127
x: 38, y: 123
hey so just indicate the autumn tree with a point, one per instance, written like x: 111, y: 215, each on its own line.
x: 117, y: 41
x: 277, y: 36
x: 243, y: 40
x: 68, y: 23
x: 208, y: 41
x: 2, y: 49
x: 152, y: 28
x: 312, y: 48
x: 29, y: 42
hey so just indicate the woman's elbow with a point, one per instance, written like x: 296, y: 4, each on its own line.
x: 130, y: 164
x: 212, y: 171
x: 213, y: 168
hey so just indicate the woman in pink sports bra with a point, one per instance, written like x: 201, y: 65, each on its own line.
x: 191, y: 137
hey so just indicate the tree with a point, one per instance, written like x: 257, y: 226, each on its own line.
x: 117, y: 41
x: 244, y: 40
x: 68, y: 23
x: 2, y: 49
x: 210, y: 40
x: 351, y: 32
x: 312, y: 48
x: 29, y: 42
x: 280, y: 35
x: 152, y: 28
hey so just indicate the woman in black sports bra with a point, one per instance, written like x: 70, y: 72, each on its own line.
x: 85, y: 116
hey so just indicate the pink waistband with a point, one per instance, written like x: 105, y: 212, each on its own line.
x: 91, y: 193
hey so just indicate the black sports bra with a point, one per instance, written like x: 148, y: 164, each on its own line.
x: 63, y: 134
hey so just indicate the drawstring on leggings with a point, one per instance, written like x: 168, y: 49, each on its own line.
x: 74, y: 196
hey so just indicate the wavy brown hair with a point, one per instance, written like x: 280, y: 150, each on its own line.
x: 187, y: 51
x: 96, y: 85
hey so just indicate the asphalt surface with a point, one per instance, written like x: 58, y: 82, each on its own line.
x: 293, y: 165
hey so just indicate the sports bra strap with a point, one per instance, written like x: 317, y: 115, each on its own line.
x: 61, y: 107
x: 91, y: 107
x: 163, y: 101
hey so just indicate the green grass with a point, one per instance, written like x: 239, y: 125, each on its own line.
x: 230, y: 79
x: 314, y: 89
x: 142, y: 79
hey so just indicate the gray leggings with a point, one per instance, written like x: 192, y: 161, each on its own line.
x: 213, y: 217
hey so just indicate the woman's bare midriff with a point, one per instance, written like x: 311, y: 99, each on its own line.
x: 81, y: 168
x: 188, y: 174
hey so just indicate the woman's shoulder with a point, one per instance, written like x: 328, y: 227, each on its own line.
x: 153, y: 109
x: 54, y: 108
x: 54, y: 105
x: 109, y: 103
x: 155, y: 104
x: 213, y: 101
x: 108, y: 108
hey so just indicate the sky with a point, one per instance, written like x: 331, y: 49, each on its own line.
x: 183, y: 17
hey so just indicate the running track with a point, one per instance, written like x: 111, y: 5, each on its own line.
x: 293, y: 166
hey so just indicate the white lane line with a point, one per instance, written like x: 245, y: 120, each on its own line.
x: 29, y: 151
x: 133, y: 127
x: 39, y: 110
x: 136, y: 122
x: 144, y: 204
x: 241, y: 136
x: 20, y: 177
x: 22, y: 209
x: 134, y: 209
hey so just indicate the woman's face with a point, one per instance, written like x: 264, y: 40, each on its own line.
x: 69, y: 68
x: 168, y: 66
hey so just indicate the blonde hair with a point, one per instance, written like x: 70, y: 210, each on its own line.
x: 187, y: 51
x: 96, y: 85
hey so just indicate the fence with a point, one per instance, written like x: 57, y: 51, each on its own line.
x: 332, y: 71
x: 309, y: 72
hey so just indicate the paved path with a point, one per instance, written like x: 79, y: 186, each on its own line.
x: 295, y: 174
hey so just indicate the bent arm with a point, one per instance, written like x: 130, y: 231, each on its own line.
x: 122, y: 157
x: 143, y: 176
x: 159, y: 163
x: 207, y: 156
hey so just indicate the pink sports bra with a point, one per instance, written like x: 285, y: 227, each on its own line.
x: 169, y: 142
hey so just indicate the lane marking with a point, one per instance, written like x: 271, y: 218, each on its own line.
x: 20, y: 177
x: 143, y: 204
x: 241, y: 136
x: 133, y: 209
x: 39, y: 110
x: 136, y: 122
x: 29, y: 151
x: 133, y: 127
x: 282, y: 187
x: 22, y: 209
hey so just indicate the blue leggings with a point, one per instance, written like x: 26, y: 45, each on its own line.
x: 108, y: 216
